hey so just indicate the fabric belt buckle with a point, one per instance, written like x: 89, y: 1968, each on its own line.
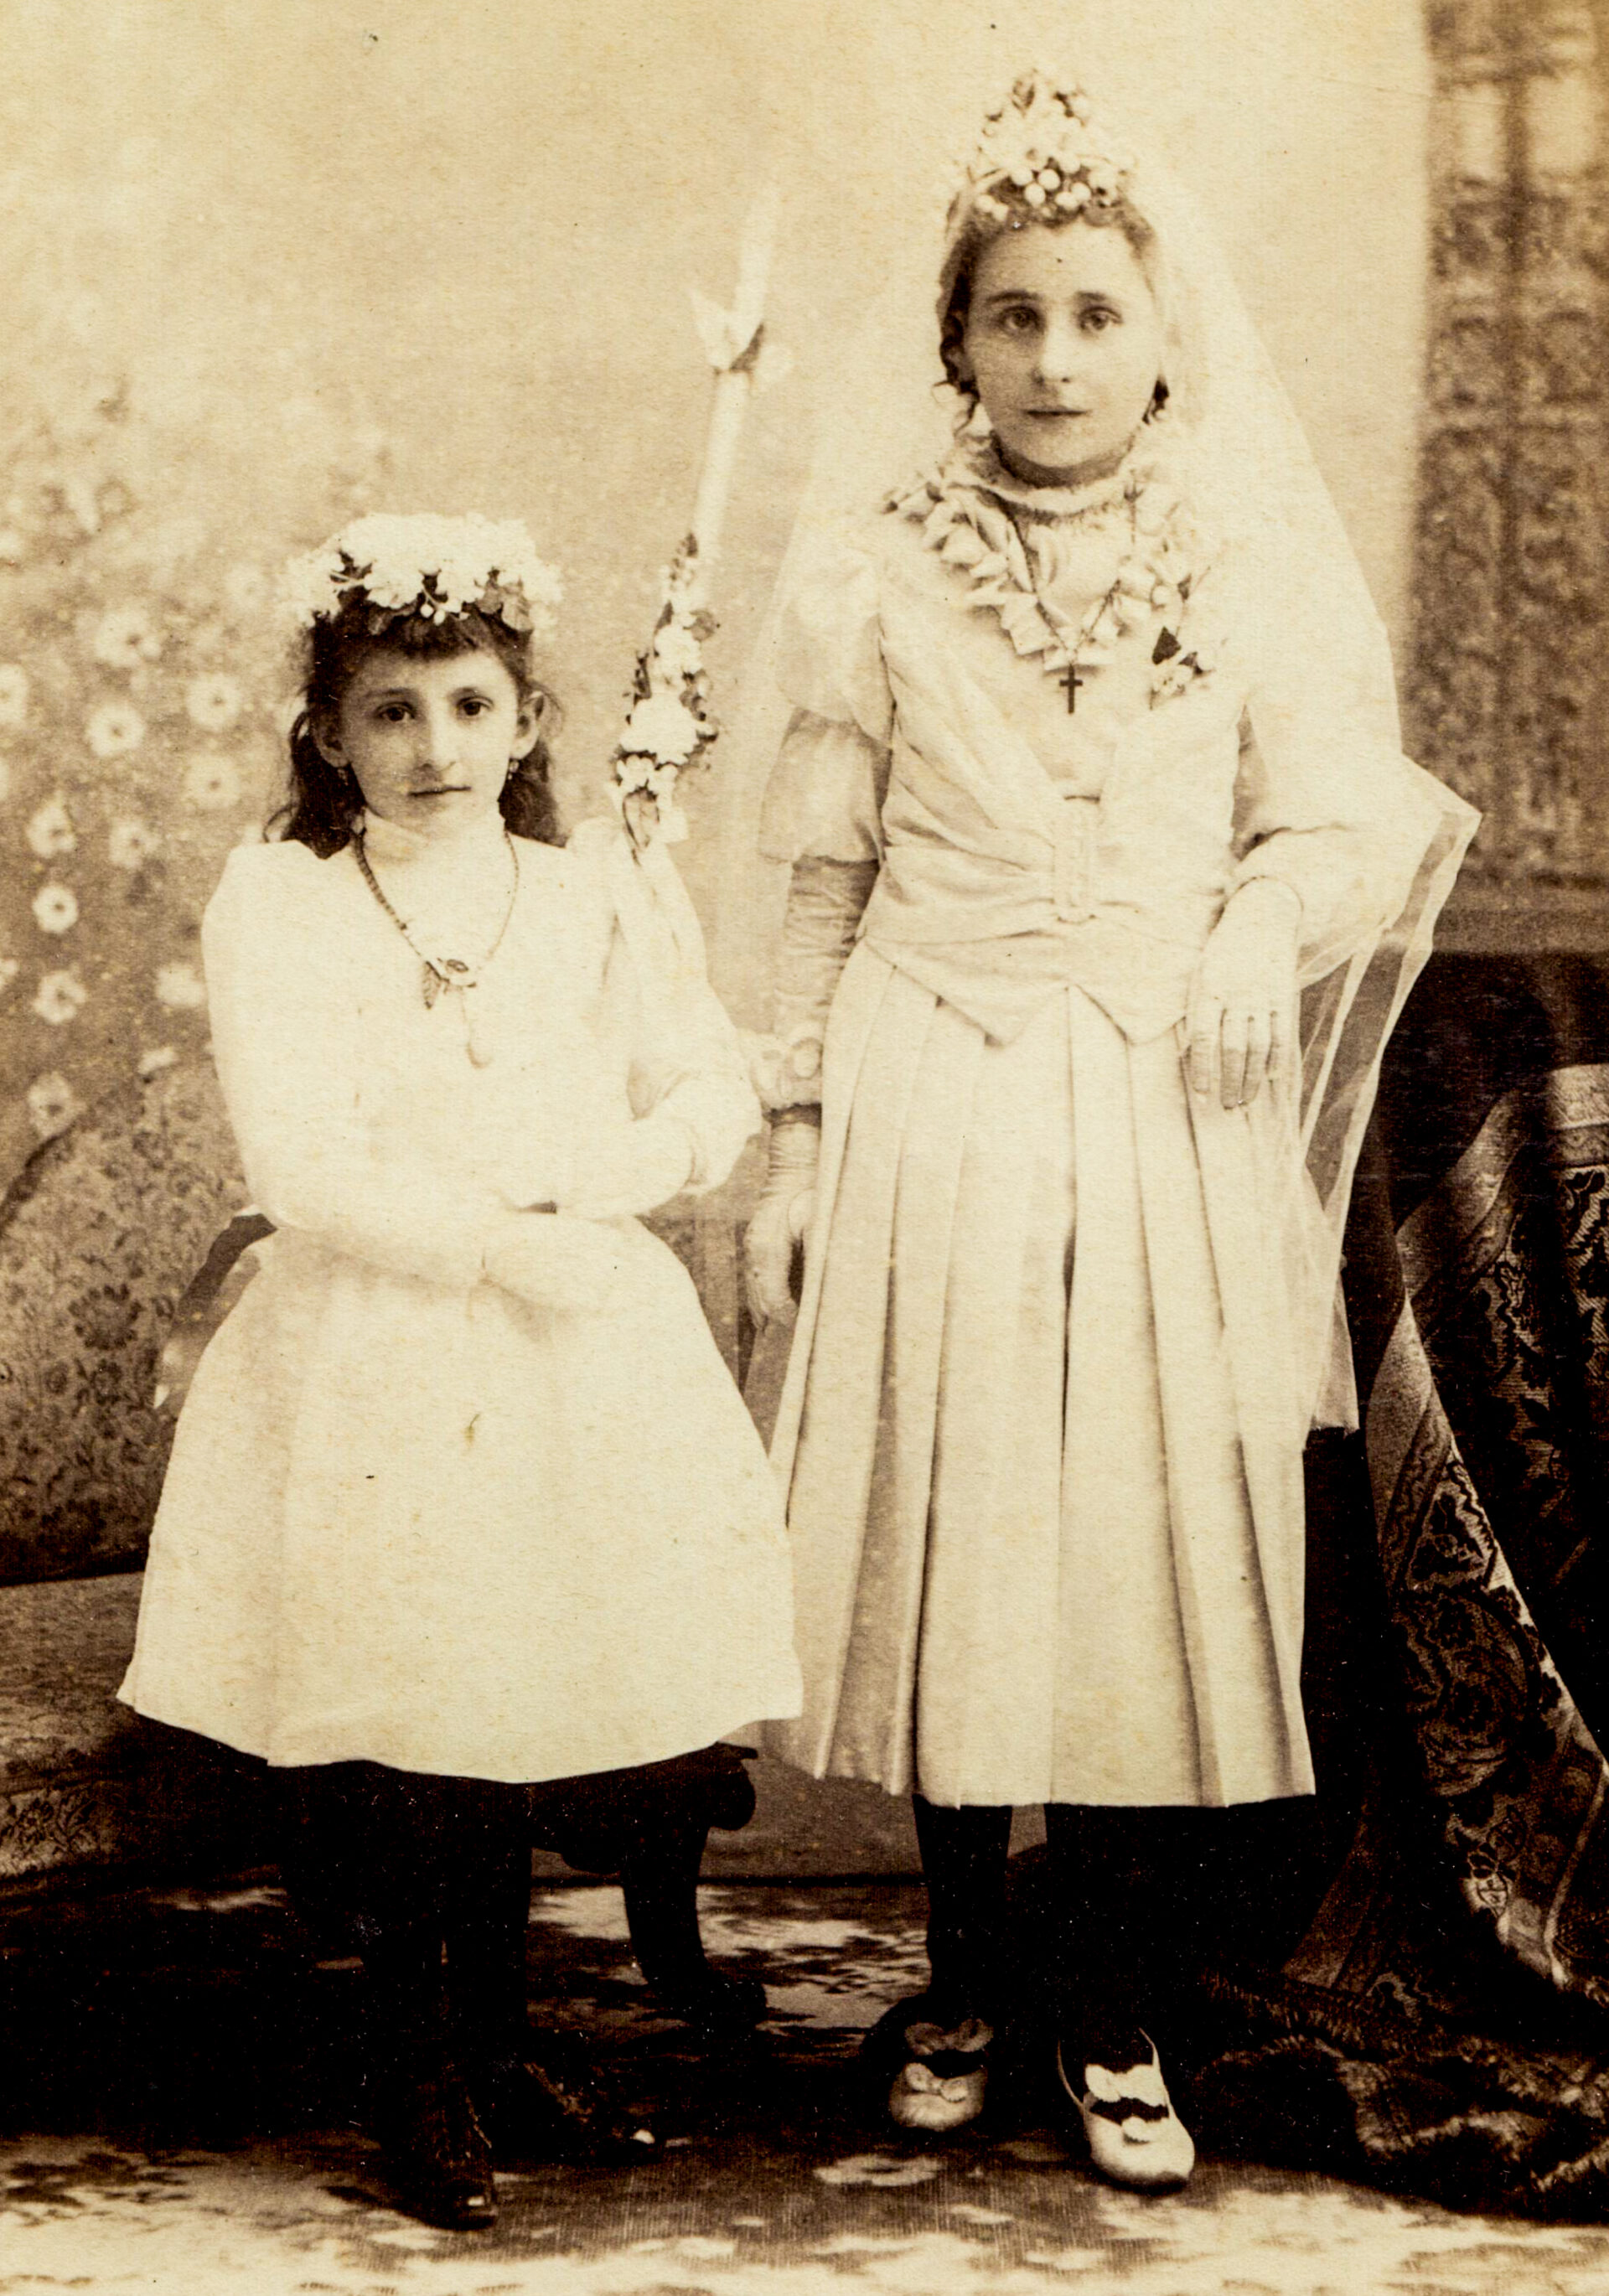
x: 1072, y: 857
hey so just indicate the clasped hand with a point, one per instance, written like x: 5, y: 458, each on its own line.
x: 550, y: 1261
x: 572, y: 1257
x: 1237, y: 1023
x: 632, y: 1169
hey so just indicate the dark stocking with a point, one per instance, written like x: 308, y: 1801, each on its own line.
x: 964, y: 1853
x: 1127, y: 1904
x: 1143, y: 1900
x: 432, y: 1876
x: 487, y: 1913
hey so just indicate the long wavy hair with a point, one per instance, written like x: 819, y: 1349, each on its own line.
x: 324, y: 801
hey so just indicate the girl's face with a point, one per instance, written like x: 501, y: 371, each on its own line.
x: 430, y: 740
x: 1063, y: 345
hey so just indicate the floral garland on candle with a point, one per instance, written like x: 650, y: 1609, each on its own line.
x: 670, y: 726
x: 963, y: 509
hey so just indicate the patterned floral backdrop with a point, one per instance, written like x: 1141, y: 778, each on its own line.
x: 265, y: 267
x: 140, y: 693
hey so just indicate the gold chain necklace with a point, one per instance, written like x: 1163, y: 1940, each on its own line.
x: 451, y: 973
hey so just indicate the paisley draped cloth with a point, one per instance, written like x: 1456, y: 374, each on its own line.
x: 1441, y: 2025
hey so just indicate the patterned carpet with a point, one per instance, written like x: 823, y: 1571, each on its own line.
x: 176, y: 2118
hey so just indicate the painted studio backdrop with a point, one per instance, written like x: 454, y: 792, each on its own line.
x: 266, y: 265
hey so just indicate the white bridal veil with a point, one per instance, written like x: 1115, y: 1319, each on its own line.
x: 1245, y: 461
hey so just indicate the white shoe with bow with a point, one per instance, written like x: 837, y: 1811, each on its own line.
x: 1134, y: 2135
x: 942, y: 2083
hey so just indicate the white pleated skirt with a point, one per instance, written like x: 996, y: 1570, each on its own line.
x: 1042, y: 1428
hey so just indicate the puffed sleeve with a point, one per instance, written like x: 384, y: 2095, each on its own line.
x: 686, y: 1065
x: 1325, y: 802
x: 825, y: 798
x: 284, y: 1037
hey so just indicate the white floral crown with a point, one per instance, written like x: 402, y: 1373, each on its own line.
x: 425, y: 567
x: 1042, y: 150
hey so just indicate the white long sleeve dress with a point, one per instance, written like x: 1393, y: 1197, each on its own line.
x: 409, y: 1518
x: 1065, y: 1321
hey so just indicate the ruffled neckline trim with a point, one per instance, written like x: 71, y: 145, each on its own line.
x: 994, y: 531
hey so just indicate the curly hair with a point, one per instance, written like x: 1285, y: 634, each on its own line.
x: 324, y: 801
x: 979, y: 231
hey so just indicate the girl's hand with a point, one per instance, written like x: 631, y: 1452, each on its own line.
x: 787, y: 1198
x: 551, y: 1261
x: 635, y: 1170
x: 1244, y: 995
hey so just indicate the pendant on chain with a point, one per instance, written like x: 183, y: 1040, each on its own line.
x: 480, y: 1056
x: 454, y: 972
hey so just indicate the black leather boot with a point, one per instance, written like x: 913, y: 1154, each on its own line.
x: 546, y: 2102
x: 436, y: 2154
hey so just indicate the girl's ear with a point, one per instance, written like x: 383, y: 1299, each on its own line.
x: 327, y: 741
x: 528, y: 724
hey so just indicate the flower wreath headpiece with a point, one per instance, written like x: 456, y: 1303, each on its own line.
x: 1041, y: 153
x: 426, y: 567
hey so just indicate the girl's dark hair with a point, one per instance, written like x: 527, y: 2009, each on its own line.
x: 324, y: 800
x: 979, y: 231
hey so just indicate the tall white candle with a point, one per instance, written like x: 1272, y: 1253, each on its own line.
x: 733, y: 382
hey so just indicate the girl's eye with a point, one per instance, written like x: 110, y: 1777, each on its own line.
x: 474, y: 705
x: 1019, y: 321
x: 1097, y: 321
x: 392, y: 713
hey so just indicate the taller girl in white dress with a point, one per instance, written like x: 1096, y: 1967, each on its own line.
x: 462, y: 1494
x: 1095, y: 770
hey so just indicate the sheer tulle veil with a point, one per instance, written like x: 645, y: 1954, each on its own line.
x: 1240, y: 454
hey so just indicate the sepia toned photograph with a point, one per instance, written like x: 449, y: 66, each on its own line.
x: 804, y: 1130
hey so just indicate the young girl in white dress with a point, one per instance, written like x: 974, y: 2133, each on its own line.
x: 1092, y: 788
x: 462, y: 1496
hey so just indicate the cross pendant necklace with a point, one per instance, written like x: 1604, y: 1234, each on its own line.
x: 1059, y: 626
x: 1072, y: 676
